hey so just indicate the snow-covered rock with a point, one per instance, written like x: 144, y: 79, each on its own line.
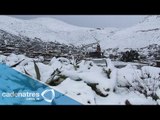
x: 77, y: 90
x: 128, y: 75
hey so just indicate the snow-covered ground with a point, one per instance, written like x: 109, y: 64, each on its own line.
x: 90, y: 84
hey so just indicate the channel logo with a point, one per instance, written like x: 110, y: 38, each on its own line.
x: 48, y: 95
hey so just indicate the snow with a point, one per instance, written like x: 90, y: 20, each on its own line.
x: 117, y: 99
x: 128, y: 74
x: 71, y: 74
x: 111, y: 85
x: 114, y: 90
x: 140, y: 35
x: 152, y: 71
x: 78, y: 91
x: 54, y: 62
x: 50, y: 29
x: 51, y: 23
x: 2, y: 58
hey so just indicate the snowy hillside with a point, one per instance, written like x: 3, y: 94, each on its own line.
x: 142, y: 34
x: 49, y: 29
x: 145, y: 33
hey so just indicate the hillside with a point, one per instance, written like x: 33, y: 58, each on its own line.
x: 49, y: 29
x: 144, y: 33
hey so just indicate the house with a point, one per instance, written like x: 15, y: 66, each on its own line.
x: 94, y: 51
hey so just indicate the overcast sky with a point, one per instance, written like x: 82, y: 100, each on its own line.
x: 94, y: 21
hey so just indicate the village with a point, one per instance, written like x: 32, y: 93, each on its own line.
x: 35, y: 48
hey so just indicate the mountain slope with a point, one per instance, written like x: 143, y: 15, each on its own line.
x: 140, y: 35
x: 49, y: 29
x: 143, y: 34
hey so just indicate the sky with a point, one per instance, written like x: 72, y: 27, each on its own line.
x: 93, y: 21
